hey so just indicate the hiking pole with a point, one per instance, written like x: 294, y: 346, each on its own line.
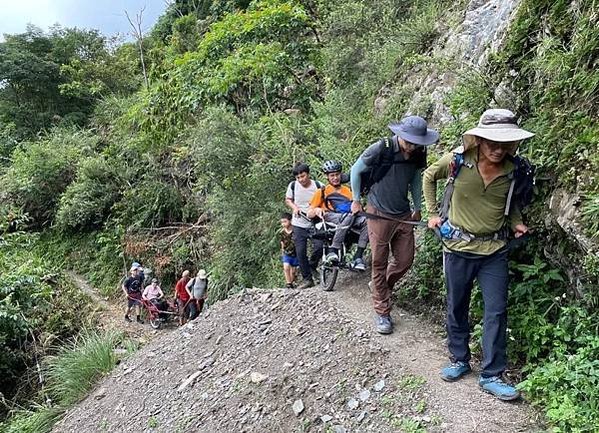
x: 369, y: 215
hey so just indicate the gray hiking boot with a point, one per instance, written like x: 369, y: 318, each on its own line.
x: 306, y: 284
x: 331, y: 258
x: 384, y: 325
x: 358, y: 264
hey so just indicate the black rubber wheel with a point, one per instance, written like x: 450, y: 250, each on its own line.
x: 155, y: 322
x: 328, y: 277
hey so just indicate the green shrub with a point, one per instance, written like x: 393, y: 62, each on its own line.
x: 240, y: 165
x: 87, y: 200
x: 40, y: 420
x: 36, y: 303
x: 42, y: 170
x: 70, y: 374
x: 150, y: 203
x: 567, y: 387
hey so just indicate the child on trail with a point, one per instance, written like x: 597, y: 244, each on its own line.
x: 288, y: 255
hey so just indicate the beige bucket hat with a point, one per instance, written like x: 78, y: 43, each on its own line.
x: 202, y: 274
x: 496, y: 124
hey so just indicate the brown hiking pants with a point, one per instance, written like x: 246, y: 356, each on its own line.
x: 384, y: 234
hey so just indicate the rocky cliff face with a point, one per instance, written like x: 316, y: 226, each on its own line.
x: 462, y: 48
x: 461, y: 51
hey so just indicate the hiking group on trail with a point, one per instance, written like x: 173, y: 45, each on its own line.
x: 487, y: 186
x: 190, y: 295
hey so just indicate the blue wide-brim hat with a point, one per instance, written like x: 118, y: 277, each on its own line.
x: 415, y: 130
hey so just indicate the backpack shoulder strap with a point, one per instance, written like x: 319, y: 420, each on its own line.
x: 388, y: 153
x: 293, y: 190
x: 323, y: 199
x: 454, y: 169
x: 456, y: 163
x: 522, y: 183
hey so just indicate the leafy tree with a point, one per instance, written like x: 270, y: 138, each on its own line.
x: 263, y: 58
x: 86, y: 202
x: 41, y: 171
x: 56, y: 78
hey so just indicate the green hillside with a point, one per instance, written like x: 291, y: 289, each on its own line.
x: 98, y: 170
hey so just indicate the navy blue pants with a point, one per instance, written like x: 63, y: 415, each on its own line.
x: 300, y: 238
x: 491, y: 272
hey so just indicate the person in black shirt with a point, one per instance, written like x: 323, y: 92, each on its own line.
x: 132, y: 288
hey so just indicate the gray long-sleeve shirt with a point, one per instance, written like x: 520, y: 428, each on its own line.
x: 390, y: 194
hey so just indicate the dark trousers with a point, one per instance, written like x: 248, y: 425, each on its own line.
x: 491, y: 272
x: 187, y: 309
x: 161, y: 305
x: 198, y: 304
x: 300, y: 238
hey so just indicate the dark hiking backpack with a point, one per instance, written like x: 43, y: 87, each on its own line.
x: 387, y: 158
x: 523, y: 181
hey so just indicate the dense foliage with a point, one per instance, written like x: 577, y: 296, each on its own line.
x: 70, y: 374
x: 55, y: 79
x: 191, y: 171
x: 37, y: 308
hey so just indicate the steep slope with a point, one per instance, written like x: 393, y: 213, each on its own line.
x: 285, y: 360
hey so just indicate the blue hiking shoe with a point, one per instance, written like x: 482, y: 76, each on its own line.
x: 500, y: 389
x: 384, y: 324
x: 455, y: 370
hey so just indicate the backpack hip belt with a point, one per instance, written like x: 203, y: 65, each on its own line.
x: 449, y: 231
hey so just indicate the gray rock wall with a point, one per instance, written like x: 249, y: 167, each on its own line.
x: 466, y: 46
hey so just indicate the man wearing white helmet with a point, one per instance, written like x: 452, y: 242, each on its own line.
x: 476, y: 217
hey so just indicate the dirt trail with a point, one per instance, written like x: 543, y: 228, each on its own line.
x: 418, y: 347
x: 245, y: 364
x: 110, y: 314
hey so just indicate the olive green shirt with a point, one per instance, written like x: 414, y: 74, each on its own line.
x: 474, y: 207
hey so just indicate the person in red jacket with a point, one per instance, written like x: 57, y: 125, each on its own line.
x: 182, y: 297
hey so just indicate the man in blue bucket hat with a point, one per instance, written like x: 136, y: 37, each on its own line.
x: 386, y: 171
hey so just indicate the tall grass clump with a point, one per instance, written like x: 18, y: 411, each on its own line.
x: 77, y: 366
x: 70, y: 374
x: 29, y: 421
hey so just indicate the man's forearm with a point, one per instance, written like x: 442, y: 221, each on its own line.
x: 290, y: 204
x: 357, y: 169
x: 416, y: 190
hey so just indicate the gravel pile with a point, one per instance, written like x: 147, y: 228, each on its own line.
x: 262, y: 361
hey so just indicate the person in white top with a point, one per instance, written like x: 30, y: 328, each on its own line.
x: 198, y: 286
x: 153, y: 291
x: 297, y: 198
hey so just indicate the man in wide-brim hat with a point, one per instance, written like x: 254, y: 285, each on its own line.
x: 475, y: 219
x: 389, y: 206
